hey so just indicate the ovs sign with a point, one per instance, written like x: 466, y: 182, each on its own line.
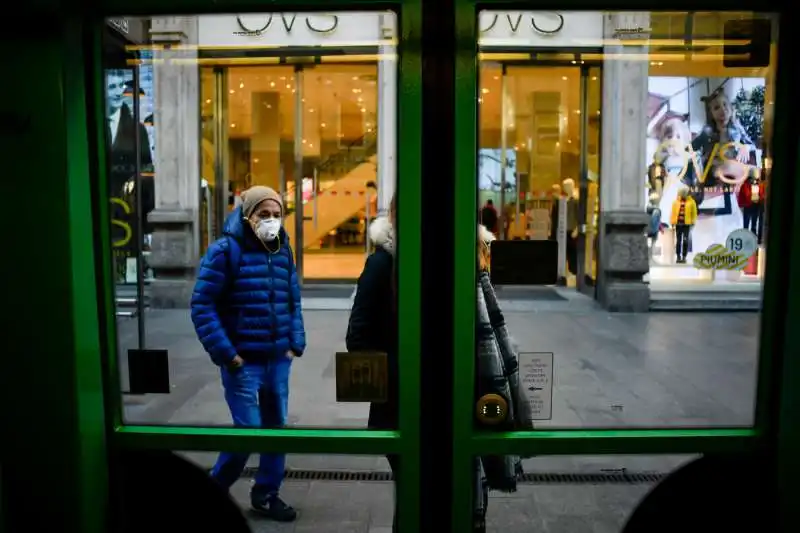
x: 548, y: 24
x: 256, y: 25
x: 298, y: 29
x: 539, y: 29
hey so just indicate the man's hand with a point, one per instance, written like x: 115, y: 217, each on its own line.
x: 236, y: 362
x: 290, y: 355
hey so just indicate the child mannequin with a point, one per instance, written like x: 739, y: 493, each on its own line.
x: 683, y: 217
x: 654, y: 228
x: 678, y: 162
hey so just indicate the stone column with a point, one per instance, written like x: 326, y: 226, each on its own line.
x: 387, y: 113
x: 175, y: 219
x: 623, y: 246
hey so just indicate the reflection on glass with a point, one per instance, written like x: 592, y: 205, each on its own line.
x: 241, y: 102
x: 562, y: 115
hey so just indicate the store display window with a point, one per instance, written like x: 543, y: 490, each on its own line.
x: 708, y: 166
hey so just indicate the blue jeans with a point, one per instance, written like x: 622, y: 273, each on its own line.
x: 258, y: 397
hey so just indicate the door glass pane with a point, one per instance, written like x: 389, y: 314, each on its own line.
x: 605, y: 239
x: 261, y: 100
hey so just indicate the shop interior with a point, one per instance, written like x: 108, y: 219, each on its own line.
x: 252, y: 124
x: 540, y: 140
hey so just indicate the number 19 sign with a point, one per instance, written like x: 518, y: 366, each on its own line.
x: 739, y: 247
x: 743, y: 242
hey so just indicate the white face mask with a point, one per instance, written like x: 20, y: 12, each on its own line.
x: 267, y: 230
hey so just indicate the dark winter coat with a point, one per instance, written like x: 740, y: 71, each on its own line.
x: 254, y: 312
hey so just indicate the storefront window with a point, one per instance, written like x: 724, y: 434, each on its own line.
x: 130, y: 138
x: 561, y: 97
x: 708, y: 159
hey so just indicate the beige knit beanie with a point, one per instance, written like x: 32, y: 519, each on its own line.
x: 253, y: 196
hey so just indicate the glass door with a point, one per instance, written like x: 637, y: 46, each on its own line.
x: 289, y: 101
x: 589, y: 196
x: 602, y: 395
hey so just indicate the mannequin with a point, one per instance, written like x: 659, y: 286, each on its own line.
x: 683, y: 217
x: 654, y: 228
x: 752, y: 198
x: 675, y: 166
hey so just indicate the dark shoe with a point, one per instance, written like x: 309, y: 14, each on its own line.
x: 274, y: 508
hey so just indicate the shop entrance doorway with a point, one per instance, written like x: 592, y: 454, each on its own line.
x: 308, y: 131
x: 540, y: 142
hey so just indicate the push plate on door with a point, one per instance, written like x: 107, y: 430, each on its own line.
x: 361, y: 377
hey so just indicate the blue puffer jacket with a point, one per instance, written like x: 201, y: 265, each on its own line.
x: 258, y: 314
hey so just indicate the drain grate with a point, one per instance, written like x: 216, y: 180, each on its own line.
x: 534, y: 478
x: 599, y: 478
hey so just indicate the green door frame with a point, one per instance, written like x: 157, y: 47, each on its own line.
x: 777, y: 405
x: 405, y: 440
x: 81, y: 348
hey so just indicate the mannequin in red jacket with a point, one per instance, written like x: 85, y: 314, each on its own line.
x: 752, y: 197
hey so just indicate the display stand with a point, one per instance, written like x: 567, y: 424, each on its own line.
x: 538, y: 220
x: 665, y: 242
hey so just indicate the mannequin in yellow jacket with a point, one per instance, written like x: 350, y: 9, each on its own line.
x: 684, y: 216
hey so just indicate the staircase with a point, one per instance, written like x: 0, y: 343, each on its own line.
x: 342, y: 192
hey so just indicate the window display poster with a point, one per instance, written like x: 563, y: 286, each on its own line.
x: 706, y: 135
x: 121, y: 132
x: 490, y: 164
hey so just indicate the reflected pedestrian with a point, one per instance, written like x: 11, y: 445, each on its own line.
x: 247, y: 314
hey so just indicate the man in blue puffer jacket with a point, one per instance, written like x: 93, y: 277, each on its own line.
x: 247, y: 314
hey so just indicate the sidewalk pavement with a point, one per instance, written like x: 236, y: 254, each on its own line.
x: 366, y: 507
x: 611, y: 370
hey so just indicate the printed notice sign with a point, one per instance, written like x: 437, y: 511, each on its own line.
x: 536, y: 383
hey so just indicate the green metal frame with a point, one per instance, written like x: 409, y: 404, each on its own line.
x: 87, y: 398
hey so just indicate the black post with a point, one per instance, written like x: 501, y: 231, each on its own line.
x: 438, y: 209
x: 137, y: 146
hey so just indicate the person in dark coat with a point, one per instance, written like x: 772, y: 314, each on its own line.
x: 247, y: 314
x: 373, y: 319
x: 489, y: 216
